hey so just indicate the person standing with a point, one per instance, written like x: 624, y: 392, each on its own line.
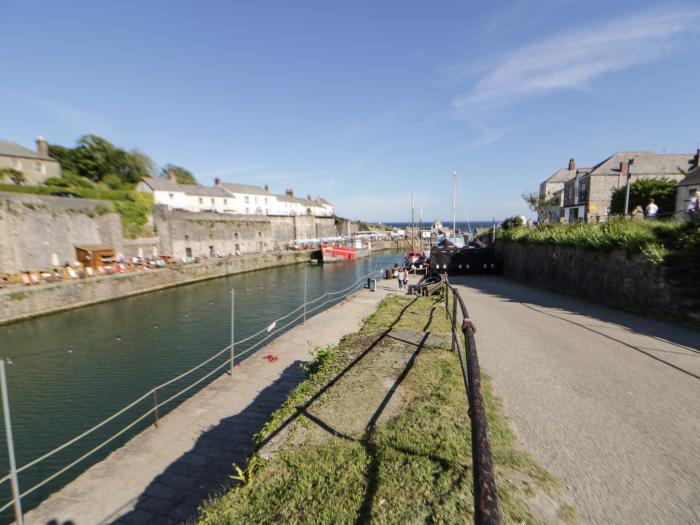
x: 399, y: 277
x: 651, y: 210
x: 693, y: 203
x: 405, y: 277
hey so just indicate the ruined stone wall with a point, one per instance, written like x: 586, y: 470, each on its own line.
x: 33, y: 227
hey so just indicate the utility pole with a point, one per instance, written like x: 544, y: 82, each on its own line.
x: 627, y: 192
x: 420, y: 228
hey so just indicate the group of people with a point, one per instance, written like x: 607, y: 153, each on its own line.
x: 401, y: 275
x: 651, y: 212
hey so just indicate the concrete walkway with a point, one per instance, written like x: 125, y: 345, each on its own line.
x: 164, y: 473
x: 604, y: 399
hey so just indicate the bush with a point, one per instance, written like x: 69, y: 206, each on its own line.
x: 653, y: 239
x: 663, y: 191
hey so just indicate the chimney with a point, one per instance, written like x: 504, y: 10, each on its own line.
x: 171, y: 176
x: 267, y: 188
x: 289, y: 192
x: 217, y: 181
x: 572, y: 164
x: 697, y: 158
x: 308, y: 196
x: 42, y: 147
x: 624, y: 171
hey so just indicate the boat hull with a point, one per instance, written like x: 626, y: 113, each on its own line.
x: 331, y: 253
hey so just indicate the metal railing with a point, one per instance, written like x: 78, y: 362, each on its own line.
x: 230, y: 353
x: 486, y: 507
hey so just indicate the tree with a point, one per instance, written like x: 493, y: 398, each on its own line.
x: 14, y: 175
x: 663, y: 191
x: 544, y: 207
x: 182, y: 175
x: 513, y: 222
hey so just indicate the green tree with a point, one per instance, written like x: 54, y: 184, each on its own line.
x: 182, y: 175
x: 663, y: 191
x: 14, y: 175
x: 544, y: 207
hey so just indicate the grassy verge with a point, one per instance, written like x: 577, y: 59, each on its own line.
x: 379, y: 432
x: 654, y: 240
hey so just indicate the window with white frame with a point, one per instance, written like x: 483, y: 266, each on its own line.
x: 37, y: 167
x: 18, y: 165
x: 201, y: 200
x: 247, y: 200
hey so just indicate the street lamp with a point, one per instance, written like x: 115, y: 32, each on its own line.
x: 627, y: 192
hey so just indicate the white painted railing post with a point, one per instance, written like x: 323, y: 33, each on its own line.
x: 10, y: 445
x: 233, y: 325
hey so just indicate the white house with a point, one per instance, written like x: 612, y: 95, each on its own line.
x: 225, y: 197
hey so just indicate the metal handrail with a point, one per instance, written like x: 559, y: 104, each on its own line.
x: 486, y: 507
x: 151, y: 393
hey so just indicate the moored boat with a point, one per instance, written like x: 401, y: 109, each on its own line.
x: 344, y: 252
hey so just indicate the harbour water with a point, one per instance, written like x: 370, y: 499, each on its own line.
x: 69, y: 371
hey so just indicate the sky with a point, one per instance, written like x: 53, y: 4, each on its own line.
x: 362, y: 102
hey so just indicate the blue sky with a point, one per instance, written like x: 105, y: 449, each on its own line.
x: 362, y: 102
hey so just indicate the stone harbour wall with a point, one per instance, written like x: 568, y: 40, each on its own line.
x: 23, y: 302
x: 34, y: 227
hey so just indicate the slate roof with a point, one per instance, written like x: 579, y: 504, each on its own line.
x: 323, y: 201
x: 645, y: 163
x: 163, y: 184
x: 562, y: 175
x: 245, y: 188
x: 692, y: 178
x: 12, y: 149
x: 286, y: 198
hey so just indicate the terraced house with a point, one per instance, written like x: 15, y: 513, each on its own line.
x: 231, y: 198
x: 35, y: 166
x: 588, y: 193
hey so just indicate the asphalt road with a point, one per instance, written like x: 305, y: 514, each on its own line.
x: 607, y: 401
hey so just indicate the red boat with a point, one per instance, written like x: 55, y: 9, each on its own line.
x: 333, y: 253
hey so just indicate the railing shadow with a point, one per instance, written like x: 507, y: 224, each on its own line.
x: 174, y: 495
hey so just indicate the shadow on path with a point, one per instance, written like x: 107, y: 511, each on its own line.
x: 173, y: 496
x: 685, y: 338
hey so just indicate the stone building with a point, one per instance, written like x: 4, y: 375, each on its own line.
x: 553, y: 188
x: 588, y: 195
x: 36, y: 166
x: 687, y: 186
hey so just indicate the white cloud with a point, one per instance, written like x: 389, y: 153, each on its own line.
x: 573, y: 59
x: 78, y: 119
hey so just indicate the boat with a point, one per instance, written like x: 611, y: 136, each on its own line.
x: 337, y: 252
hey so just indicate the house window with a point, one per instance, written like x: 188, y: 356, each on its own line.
x: 18, y: 165
x: 256, y: 200
x: 265, y: 200
x: 247, y: 199
x: 247, y: 210
x: 171, y: 196
x: 212, y: 202
x: 225, y: 201
x: 37, y: 167
x: 201, y: 200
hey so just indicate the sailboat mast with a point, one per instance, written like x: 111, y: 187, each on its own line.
x: 413, y: 209
x: 454, y: 204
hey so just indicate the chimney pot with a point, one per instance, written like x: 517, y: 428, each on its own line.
x: 572, y: 164
x: 289, y: 192
x: 267, y: 188
x: 217, y: 181
x: 697, y: 158
x: 308, y: 196
x: 42, y: 147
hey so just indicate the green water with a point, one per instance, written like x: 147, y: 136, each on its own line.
x: 68, y: 371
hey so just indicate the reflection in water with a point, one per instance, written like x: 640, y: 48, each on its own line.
x: 73, y: 369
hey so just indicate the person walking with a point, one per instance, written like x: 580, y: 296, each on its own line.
x: 405, y: 277
x: 398, y: 273
x: 651, y: 210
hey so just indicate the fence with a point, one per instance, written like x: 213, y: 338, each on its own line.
x: 486, y: 508
x: 226, y: 355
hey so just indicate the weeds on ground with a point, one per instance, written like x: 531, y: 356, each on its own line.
x: 414, y: 467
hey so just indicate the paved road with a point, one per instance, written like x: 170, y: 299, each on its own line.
x: 607, y: 401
